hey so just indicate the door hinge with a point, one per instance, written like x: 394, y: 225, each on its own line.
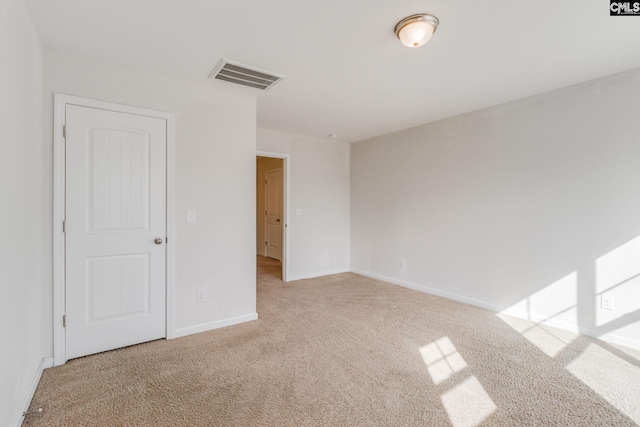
x: 64, y: 226
x: 64, y: 131
x: 64, y: 320
x: 265, y: 212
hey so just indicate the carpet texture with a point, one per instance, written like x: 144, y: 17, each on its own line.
x: 345, y: 350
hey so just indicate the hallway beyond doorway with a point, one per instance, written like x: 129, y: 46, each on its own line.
x: 268, y: 268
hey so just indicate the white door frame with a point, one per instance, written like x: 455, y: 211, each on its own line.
x: 286, y: 165
x: 59, y: 279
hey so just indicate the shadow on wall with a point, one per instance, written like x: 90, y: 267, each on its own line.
x: 528, y: 208
x: 610, y: 303
x: 614, y: 300
x: 606, y: 301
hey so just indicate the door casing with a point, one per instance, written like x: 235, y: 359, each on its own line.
x: 59, y: 188
x: 286, y: 167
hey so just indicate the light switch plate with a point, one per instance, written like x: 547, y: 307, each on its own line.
x: 201, y: 295
x: 191, y: 216
x: 606, y: 302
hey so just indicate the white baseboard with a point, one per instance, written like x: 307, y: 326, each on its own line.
x: 45, y: 363
x: 203, y: 327
x: 538, y: 319
x: 291, y: 278
x: 612, y: 338
x: 604, y: 336
x: 428, y: 290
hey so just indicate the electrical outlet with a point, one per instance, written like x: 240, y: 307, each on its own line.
x: 402, y: 263
x: 606, y: 302
x: 298, y: 211
x: 201, y: 295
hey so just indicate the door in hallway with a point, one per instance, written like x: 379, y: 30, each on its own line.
x: 273, y: 204
x: 115, y: 224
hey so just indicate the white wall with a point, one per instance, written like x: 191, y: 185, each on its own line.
x: 319, y: 238
x: 532, y: 206
x: 214, y: 174
x: 25, y: 282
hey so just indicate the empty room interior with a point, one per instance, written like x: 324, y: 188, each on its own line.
x: 346, y: 213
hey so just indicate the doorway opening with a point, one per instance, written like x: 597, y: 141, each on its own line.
x: 271, y: 212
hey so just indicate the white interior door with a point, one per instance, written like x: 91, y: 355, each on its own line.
x: 115, y: 224
x: 273, y: 203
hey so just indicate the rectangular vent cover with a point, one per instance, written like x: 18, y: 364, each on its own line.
x: 243, y: 75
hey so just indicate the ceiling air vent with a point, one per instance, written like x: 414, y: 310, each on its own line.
x: 243, y: 75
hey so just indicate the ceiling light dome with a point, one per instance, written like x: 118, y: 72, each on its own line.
x: 416, y: 30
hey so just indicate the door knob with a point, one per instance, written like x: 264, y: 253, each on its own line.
x: 157, y: 241
x: 278, y: 220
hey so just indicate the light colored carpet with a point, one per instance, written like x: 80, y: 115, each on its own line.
x: 348, y: 350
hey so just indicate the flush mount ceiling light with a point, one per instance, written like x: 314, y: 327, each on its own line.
x: 416, y: 30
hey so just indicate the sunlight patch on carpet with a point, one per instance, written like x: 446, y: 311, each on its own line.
x: 468, y: 404
x: 608, y: 375
x: 442, y: 359
x: 550, y: 343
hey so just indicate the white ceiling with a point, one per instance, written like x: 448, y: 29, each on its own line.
x: 346, y: 72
